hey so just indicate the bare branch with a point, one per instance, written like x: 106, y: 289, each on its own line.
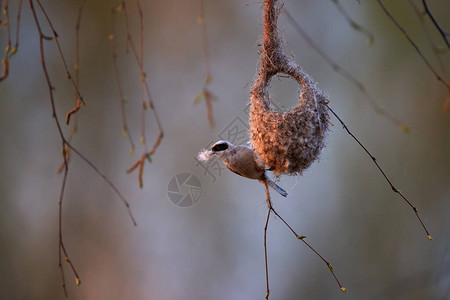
x: 16, y: 45
x: 269, y: 203
x: 65, y: 145
x: 206, y: 93
x: 5, y: 62
x: 146, y: 95
x: 353, y: 24
x: 394, y: 189
x: 438, y: 77
x: 122, y: 96
x: 55, y: 36
x: 299, y: 237
x: 436, y: 51
x: 436, y: 24
x: 346, y: 74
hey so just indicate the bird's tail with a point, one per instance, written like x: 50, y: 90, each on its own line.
x: 276, y: 187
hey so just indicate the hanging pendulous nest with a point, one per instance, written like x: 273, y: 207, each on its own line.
x: 288, y: 142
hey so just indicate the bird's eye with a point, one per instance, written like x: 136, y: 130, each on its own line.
x: 220, y: 147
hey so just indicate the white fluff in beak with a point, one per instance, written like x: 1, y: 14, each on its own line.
x: 204, y: 155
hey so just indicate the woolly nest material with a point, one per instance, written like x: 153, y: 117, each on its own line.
x: 204, y: 155
x: 286, y: 142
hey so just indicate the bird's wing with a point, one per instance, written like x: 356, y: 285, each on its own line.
x: 247, y: 166
x: 234, y: 171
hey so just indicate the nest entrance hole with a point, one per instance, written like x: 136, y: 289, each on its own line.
x: 284, y: 92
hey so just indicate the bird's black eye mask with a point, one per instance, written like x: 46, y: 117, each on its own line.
x: 220, y: 147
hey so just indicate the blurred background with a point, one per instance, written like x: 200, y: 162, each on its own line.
x: 214, y: 248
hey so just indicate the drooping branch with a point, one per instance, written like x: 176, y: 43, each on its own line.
x: 206, y: 93
x: 394, y: 189
x: 444, y: 34
x: 266, y: 261
x: 147, y: 100
x: 77, y: 82
x: 353, y: 24
x: 112, y: 37
x: 6, y: 23
x: 19, y: 14
x: 78, y: 100
x: 437, y: 53
x: 68, y: 74
x: 422, y: 56
x: 301, y: 238
x: 346, y: 74
x: 62, y: 251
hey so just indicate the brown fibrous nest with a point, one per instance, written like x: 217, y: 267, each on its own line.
x: 288, y: 142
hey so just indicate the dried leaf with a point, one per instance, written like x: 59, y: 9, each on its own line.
x: 199, y: 98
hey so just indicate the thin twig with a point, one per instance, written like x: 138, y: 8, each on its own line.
x: 438, y: 77
x: 143, y: 75
x: 420, y: 15
x: 345, y: 73
x: 269, y: 203
x: 8, y: 51
x: 8, y: 27
x: 302, y: 238
x: 5, y: 61
x: 436, y: 24
x: 299, y: 237
x: 436, y: 52
x: 147, y: 98
x: 68, y: 75
x: 107, y: 180
x: 65, y: 145
x: 125, y: 130
x: 66, y: 166
x: 137, y: 57
x: 352, y: 23
x: 16, y: 45
x: 77, y: 68
x: 394, y: 189
x: 206, y: 93
x: 77, y: 81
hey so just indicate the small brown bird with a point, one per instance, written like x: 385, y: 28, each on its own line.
x: 242, y: 161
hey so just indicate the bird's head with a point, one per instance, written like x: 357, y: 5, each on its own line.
x: 221, y: 147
